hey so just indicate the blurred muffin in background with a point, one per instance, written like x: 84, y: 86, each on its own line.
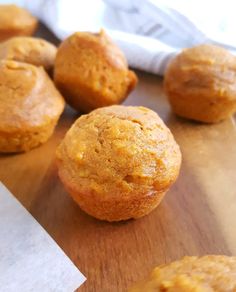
x: 118, y: 162
x: 205, y: 274
x: 30, y: 106
x: 30, y: 50
x: 200, y: 83
x: 91, y: 71
x: 16, y: 21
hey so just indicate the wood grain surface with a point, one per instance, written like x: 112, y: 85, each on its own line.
x: 197, y: 217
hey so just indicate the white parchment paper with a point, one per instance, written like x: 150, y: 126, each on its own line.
x: 30, y: 260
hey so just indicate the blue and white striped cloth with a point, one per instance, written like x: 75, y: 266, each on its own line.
x: 150, y: 32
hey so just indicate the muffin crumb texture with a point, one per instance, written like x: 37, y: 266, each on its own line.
x: 118, y: 162
x: 212, y: 273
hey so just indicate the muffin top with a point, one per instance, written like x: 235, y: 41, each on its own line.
x: 203, y: 71
x: 31, y: 50
x: 98, y: 44
x: 93, y: 63
x: 28, y: 97
x: 206, y: 54
x: 205, y: 274
x: 12, y: 16
x: 119, y: 151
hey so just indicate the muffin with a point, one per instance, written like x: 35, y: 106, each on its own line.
x: 118, y: 162
x: 29, y: 50
x: 30, y: 106
x: 204, y: 274
x: 15, y: 21
x: 92, y: 72
x: 201, y: 84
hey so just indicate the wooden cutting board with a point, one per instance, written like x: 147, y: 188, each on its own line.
x: 197, y: 216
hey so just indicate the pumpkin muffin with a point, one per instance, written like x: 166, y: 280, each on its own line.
x: 205, y: 274
x: 30, y: 106
x: 16, y: 21
x: 92, y: 72
x: 30, y: 50
x: 118, y: 162
x: 201, y: 84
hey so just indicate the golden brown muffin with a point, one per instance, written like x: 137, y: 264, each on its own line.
x: 201, y: 84
x: 16, y: 21
x: 92, y: 72
x: 30, y: 50
x: 30, y: 106
x: 118, y: 162
x: 205, y: 274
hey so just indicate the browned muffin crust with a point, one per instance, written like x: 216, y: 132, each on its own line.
x: 30, y: 50
x: 118, y: 162
x: 91, y: 71
x: 30, y: 106
x: 201, y: 84
x: 16, y: 21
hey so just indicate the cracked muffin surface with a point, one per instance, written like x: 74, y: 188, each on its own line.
x: 211, y: 273
x: 92, y: 72
x: 118, y: 162
x: 200, y: 83
x: 30, y: 106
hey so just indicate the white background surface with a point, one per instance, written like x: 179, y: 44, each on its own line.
x: 29, y: 258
